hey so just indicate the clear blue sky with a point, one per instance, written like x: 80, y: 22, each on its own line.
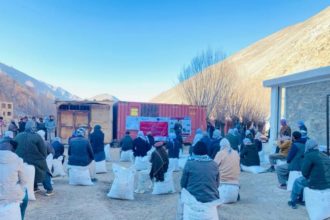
x: 133, y: 49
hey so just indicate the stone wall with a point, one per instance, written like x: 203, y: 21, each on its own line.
x: 308, y: 102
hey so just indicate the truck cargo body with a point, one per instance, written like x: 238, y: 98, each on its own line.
x: 74, y: 114
x: 159, y: 119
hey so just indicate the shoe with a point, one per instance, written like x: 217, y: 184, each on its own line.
x: 293, y: 205
x: 300, y: 202
x: 35, y: 190
x: 282, y: 186
x: 238, y: 197
x: 49, y: 193
x: 94, y: 180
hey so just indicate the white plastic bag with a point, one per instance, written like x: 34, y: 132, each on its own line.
x: 228, y: 193
x: 10, y: 211
x: 107, y: 152
x: 100, y: 167
x: 142, y: 163
x: 165, y: 187
x: 123, y: 184
x: 29, y: 171
x: 253, y: 169
x: 49, y: 161
x: 195, y: 210
x: 293, y: 175
x: 126, y: 156
x: 150, y: 152
x: 143, y: 181
x: 182, y: 162
x: 58, y: 167
x: 317, y: 203
x: 173, y: 164
x: 79, y: 175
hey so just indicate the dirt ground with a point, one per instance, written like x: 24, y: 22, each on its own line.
x: 260, y: 199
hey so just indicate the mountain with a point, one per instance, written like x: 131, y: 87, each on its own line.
x: 104, y: 97
x: 300, y: 47
x: 29, y: 95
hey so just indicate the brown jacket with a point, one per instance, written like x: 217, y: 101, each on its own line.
x: 284, y: 147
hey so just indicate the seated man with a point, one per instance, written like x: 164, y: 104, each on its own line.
x: 159, y: 163
x: 284, y: 144
x: 294, y: 159
x: 315, y: 171
x: 249, y: 154
x: 81, y: 153
x: 58, y: 147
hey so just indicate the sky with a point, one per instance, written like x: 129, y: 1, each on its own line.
x: 132, y: 49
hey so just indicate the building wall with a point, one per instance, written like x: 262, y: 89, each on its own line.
x: 308, y: 102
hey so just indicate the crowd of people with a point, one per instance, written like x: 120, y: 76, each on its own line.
x: 214, y: 161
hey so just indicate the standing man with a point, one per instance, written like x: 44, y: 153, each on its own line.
x: 50, y: 126
x: 2, y: 126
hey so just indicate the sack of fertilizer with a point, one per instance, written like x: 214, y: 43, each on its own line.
x: 228, y: 193
x: 317, y: 203
x: 173, y: 164
x: 253, y: 169
x: 79, y: 175
x: 143, y: 181
x: 142, y: 163
x: 10, y: 211
x: 126, y: 156
x: 29, y: 172
x: 123, y: 184
x: 182, y: 161
x: 165, y: 187
x: 49, y: 161
x: 107, y: 152
x: 58, y: 168
x: 100, y: 167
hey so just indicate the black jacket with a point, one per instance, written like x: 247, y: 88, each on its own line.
x: 316, y: 169
x: 173, y: 148
x: 296, y: 155
x: 249, y: 156
x: 80, y: 152
x: 140, y: 147
x: 97, y: 141
x: 234, y: 141
x: 213, y: 147
x: 58, y: 148
x: 126, y: 143
x: 159, y: 164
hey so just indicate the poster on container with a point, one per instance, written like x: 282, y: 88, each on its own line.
x: 185, y: 122
x: 157, y: 128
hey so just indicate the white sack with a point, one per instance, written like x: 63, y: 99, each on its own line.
x: 293, y: 175
x: 165, y: 187
x: 107, y: 152
x: 228, y: 193
x: 182, y: 162
x: 195, y: 210
x: 58, y: 167
x: 100, y: 167
x: 173, y: 164
x: 123, y: 184
x: 126, y: 156
x: 143, y: 181
x: 317, y: 203
x: 79, y: 175
x: 10, y: 211
x: 49, y: 161
x: 142, y: 163
x: 29, y: 172
x: 253, y: 169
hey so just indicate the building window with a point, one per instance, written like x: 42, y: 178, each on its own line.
x: 4, y: 113
x: 3, y: 105
x: 9, y: 106
x: 8, y: 113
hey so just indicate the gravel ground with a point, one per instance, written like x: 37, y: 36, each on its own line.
x: 260, y: 199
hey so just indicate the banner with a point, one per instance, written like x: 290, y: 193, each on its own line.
x: 156, y: 128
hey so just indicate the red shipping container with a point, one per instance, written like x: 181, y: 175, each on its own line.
x: 128, y: 114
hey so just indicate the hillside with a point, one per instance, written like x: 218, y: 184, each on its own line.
x: 29, y: 95
x: 303, y: 46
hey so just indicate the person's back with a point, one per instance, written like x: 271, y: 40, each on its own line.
x: 58, y: 147
x: 316, y: 168
x: 126, y: 143
x: 80, y: 152
x: 12, y: 178
x: 296, y: 155
x: 140, y: 145
x: 249, y: 154
x: 233, y: 139
x: 159, y: 163
x: 201, y: 176
x: 97, y: 140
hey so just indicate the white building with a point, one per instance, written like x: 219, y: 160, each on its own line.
x: 302, y: 96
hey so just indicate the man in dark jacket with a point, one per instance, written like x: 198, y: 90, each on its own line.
x: 140, y: 145
x: 159, y: 163
x: 32, y: 149
x: 81, y: 153
x: 315, y: 171
x: 200, y: 176
x: 151, y: 140
x: 214, y: 146
x: 126, y: 143
x: 249, y: 155
x: 294, y: 159
x: 173, y: 146
x: 97, y: 141
x: 58, y: 147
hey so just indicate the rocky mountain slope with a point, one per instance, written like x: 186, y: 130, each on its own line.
x: 303, y: 46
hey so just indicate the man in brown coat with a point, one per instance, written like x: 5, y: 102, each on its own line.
x: 284, y: 144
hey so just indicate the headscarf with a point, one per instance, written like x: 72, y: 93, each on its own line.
x: 225, y: 145
x: 247, y: 141
x: 283, y: 122
x: 311, y: 145
x: 198, y: 137
x: 80, y: 132
x: 30, y: 126
x: 300, y: 123
x: 42, y: 134
x: 140, y: 134
x: 303, y: 133
x: 216, y: 134
x: 231, y: 131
